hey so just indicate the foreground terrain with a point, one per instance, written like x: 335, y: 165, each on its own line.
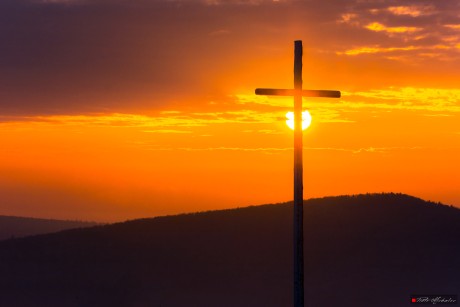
x: 364, y: 250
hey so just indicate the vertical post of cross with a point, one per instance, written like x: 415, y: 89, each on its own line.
x: 298, y: 93
x: 298, y: 179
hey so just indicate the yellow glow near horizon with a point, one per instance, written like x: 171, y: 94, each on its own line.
x: 306, y: 120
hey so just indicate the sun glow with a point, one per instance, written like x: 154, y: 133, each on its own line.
x: 306, y: 120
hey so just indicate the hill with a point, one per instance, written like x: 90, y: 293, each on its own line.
x: 364, y: 250
x: 14, y: 226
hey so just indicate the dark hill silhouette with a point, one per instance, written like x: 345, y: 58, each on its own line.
x: 15, y: 226
x: 365, y: 250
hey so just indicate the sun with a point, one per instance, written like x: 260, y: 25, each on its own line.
x: 306, y: 120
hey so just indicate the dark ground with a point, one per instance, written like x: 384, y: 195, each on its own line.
x: 15, y: 227
x: 366, y: 250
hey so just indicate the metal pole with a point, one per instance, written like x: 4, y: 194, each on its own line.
x: 298, y: 180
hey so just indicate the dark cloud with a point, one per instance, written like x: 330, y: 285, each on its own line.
x: 78, y: 56
x: 69, y: 56
x: 60, y: 57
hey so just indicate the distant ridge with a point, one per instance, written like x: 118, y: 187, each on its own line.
x: 372, y: 250
x: 15, y: 226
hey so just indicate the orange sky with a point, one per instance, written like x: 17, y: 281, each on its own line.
x: 118, y: 110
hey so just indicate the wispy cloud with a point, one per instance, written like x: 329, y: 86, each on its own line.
x: 414, y: 32
x: 167, y: 131
x: 408, y: 98
x: 163, y: 123
x: 360, y: 150
x: 413, y: 10
x: 375, y: 49
x: 378, y: 27
x: 438, y: 96
x: 453, y: 26
x: 263, y: 131
x: 241, y: 149
x: 422, y: 50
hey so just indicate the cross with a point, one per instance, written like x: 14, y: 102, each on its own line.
x: 298, y: 93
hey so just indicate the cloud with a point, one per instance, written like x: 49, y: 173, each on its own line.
x: 376, y: 49
x: 384, y: 149
x: 259, y: 110
x: 453, y: 26
x: 408, y: 98
x: 141, y: 56
x: 348, y: 18
x: 274, y: 150
x: 113, y: 56
x: 162, y: 121
x: 415, y: 31
x: 378, y: 27
x: 167, y: 131
x: 413, y: 11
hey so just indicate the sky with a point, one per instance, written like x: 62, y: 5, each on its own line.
x: 115, y: 109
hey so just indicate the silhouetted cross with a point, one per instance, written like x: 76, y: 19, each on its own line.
x: 298, y: 93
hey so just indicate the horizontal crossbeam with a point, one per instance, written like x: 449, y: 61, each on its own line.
x: 305, y: 93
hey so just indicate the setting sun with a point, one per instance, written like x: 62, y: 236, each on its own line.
x: 306, y: 120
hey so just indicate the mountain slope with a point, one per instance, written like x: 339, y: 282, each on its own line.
x: 14, y: 226
x: 366, y: 250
